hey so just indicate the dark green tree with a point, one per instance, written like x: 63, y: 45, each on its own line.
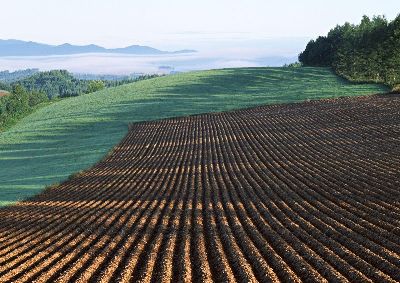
x: 94, y: 86
x: 368, y: 52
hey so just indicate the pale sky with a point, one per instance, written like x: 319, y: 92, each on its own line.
x: 169, y: 24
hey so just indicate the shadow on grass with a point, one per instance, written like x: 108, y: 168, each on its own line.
x: 71, y: 135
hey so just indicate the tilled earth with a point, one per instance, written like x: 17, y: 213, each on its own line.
x: 299, y: 192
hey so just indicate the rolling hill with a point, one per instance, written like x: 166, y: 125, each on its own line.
x: 304, y: 192
x: 73, y: 134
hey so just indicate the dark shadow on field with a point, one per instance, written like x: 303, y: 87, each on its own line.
x: 81, y: 136
x: 252, y: 86
x: 121, y: 189
x: 285, y: 177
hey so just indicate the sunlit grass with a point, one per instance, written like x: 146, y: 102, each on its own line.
x: 70, y: 135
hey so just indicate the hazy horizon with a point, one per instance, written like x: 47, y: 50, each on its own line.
x: 178, y: 24
x: 224, y: 54
x: 226, y: 33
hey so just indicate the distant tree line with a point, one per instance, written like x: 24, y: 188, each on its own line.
x: 367, y: 52
x: 128, y: 80
x: 106, y: 77
x: 61, y: 83
x: 27, y: 93
x: 9, y: 77
x: 293, y: 65
x: 56, y: 83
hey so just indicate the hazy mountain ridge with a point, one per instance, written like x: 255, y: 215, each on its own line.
x: 12, y: 47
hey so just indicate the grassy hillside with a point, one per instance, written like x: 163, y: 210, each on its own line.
x: 65, y: 137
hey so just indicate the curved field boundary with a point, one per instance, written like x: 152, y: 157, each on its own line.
x: 300, y: 192
x: 71, y: 135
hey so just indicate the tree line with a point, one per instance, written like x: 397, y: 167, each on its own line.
x: 18, y: 104
x: 61, y: 83
x: 9, y: 77
x: 367, y: 52
x: 29, y: 92
x: 56, y: 83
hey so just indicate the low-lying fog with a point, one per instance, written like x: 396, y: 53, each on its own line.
x: 209, y: 56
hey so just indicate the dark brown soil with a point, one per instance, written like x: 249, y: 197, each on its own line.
x: 300, y: 192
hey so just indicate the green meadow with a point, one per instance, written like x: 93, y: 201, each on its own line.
x: 72, y: 134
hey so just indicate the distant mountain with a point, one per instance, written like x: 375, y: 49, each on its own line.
x: 12, y: 47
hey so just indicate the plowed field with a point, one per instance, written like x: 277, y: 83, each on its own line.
x: 298, y: 192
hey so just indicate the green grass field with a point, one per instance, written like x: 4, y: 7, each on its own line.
x: 73, y: 134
